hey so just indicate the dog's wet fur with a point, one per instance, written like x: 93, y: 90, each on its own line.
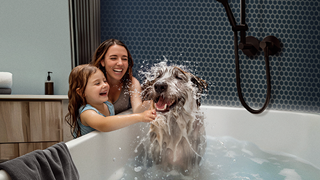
x: 177, y: 135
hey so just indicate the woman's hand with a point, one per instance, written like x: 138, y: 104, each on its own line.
x: 148, y: 115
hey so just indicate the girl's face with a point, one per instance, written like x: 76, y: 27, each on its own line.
x: 97, y: 88
x: 115, y: 62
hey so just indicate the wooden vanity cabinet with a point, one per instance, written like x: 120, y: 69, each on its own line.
x: 28, y: 124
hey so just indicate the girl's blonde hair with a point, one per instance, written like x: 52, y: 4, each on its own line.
x: 78, y: 78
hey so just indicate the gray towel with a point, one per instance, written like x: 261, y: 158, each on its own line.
x: 53, y: 163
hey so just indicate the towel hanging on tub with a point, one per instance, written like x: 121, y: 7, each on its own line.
x: 53, y: 163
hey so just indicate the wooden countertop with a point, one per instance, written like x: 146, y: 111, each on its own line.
x: 33, y: 97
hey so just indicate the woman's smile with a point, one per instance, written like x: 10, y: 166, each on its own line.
x: 115, y: 62
x: 118, y: 71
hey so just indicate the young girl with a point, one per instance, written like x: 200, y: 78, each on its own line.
x: 89, y: 108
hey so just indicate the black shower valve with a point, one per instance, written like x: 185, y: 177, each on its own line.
x: 272, y: 43
x: 251, y: 46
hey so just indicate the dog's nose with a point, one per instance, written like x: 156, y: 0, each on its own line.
x: 160, y: 87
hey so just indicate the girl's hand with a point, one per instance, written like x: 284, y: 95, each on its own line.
x: 148, y: 115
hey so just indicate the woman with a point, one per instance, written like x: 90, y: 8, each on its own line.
x: 115, y: 61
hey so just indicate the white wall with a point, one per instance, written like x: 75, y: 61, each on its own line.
x: 34, y: 39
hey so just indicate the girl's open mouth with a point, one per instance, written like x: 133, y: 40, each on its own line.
x: 103, y: 94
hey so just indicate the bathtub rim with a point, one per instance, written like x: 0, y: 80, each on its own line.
x: 267, y: 111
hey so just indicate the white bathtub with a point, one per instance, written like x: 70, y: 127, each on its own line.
x: 99, y: 155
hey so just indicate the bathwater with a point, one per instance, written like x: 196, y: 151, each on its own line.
x: 228, y: 159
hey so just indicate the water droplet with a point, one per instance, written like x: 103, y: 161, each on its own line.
x: 114, y: 159
x: 137, y: 169
x: 119, y: 148
x: 138, y: 137
x: 135, y: 178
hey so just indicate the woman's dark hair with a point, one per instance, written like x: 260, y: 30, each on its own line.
x: 100, y: 53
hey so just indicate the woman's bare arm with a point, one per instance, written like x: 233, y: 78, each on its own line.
x: 136, y: 102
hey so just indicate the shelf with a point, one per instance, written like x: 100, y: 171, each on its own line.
x: 33, y: 97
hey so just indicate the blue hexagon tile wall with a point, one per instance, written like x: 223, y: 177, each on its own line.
x: 197, y: 34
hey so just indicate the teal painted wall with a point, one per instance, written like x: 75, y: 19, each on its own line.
x: 34, y: 39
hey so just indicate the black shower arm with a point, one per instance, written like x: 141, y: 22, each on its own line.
x: 243, y: 27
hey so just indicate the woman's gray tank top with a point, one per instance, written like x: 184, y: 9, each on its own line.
x: 123, y: 102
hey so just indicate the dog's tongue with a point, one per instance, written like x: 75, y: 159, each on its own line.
x: 161, y: 103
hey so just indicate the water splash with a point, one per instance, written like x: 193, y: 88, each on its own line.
x: 146, y: 72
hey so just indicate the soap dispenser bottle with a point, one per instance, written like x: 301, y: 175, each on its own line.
x: 49, y: 85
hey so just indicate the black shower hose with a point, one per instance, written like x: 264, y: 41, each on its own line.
x: 266, y: 57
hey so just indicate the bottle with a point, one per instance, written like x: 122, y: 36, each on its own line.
x: 48, y: 85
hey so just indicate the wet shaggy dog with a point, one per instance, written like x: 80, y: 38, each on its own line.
x: 177, y: 135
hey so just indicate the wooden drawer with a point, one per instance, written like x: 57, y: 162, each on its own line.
x: 30, y: 121
x: 10, y: 151
x: 29, y: 125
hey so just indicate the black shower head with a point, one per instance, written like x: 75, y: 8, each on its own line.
x: 229, y: 13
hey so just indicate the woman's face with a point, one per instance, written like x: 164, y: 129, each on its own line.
x: 115, y: 62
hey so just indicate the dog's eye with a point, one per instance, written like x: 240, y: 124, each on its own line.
x: 178, y: 77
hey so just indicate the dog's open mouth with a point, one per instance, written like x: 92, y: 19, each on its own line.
x: 164, y: 104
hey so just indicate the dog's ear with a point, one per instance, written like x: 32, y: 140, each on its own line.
x: 200, y: 84
x: 144, y: 90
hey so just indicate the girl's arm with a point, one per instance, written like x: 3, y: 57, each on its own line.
x: 136, y: 102
x: 111, y: 123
